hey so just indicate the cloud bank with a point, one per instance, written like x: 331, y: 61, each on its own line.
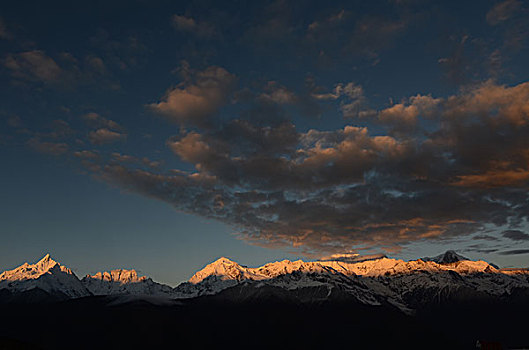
x: 444, y: 168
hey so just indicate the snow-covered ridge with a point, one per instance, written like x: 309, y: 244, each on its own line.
x: 226, y: 269
x: 380, y: 280
x: 121, y: 282
x: 373, y: 280
x: 47, y: 275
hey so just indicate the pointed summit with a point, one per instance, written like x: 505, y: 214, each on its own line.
x: 119, y: 276
x: 223, y: 261
x: 223, y: 267
x: 47, y: 275
x: 447, y: 257
x: 46, y: 257
x: 46, y: 263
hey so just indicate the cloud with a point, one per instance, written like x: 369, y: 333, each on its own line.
x: 199, y: 97
x: 4, y: 33
x: 123, y: 53
x: 486, y: 238
x: 51, y: 148
x: 15, y: 122
x: 106, y: 130
x: 62, y: 70
x: 515, y: 235
x: 502, y: 11
x: 372, y: 34
x: 85, y: 154
x: 494, y: 178
x: 481, y: 250
x: 461, y: 62
x: 407, y: 112
x: 277, y: 93
x: 511, y: 18
x: 320, y: 29
x: 103, y: 136
x: 341, y: 31
x: 350, y: 188
x: 96, y: 120
x: 190, y: 25
x: 33, y: 65
x: 515, y: 252
x: 127, y: 158
x: 353, y: 102
x: 274, y: 25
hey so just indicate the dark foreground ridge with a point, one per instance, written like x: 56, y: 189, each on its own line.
x: 273, y: 318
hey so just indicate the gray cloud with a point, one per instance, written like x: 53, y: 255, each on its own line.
x: 486, y: 238
x: 515, y: 235
x: 515, y: 252
x: 481, y: 250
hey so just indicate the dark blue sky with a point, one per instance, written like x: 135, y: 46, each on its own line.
x: 162, y: 135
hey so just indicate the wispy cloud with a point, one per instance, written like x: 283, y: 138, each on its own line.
x: 4, y: 33
x: 514, y: 252
x: 33, y: 65
x: 502, y: 11
x: 51, y: 148
x: 102, y: 136
x: 192, y: 26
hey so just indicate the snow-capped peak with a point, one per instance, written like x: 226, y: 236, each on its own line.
x: 45, y: 263
x: 224, y: 267
x: 223, y: 261
x: 448, y: 257
x: 32, y: 271
x: 123, y: 282
x: 47, y: 275
x: 46, y: 260
x: 118, y: 275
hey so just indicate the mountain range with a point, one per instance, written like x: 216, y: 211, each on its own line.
x: 373, y: 280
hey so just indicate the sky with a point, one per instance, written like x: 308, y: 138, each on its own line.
x: 161, y: 135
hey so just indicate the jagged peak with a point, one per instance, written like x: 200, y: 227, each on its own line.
x: 448, y: 257
x: 117, y: 275
x: 46, y: 257
x: 46, y: 262
x: 46, y: 265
